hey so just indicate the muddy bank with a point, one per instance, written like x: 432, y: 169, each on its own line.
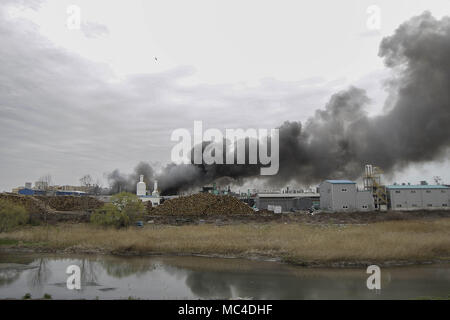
x: 260, y: 257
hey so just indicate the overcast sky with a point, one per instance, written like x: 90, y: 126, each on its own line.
x: 74, y: 102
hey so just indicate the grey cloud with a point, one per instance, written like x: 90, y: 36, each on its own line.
x: 60, y: 113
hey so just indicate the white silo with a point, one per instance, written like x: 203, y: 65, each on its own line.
x: 141, y: 187
x: 155, y: 189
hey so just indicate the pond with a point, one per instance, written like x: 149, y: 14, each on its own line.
x: 174, y: 277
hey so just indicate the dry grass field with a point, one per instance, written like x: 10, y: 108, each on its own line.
x: 413, y: 241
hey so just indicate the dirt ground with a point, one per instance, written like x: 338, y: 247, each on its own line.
x: 300, y: 217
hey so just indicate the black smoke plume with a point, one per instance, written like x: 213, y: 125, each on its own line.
x: 340, y: 139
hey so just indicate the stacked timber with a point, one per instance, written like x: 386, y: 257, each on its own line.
x: 71, y: 203
x: 31, y: 204
x: 202, y: 204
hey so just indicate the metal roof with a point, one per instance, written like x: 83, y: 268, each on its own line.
x: 288, y: 195
x: 417, y: 186
x: 340, y: 181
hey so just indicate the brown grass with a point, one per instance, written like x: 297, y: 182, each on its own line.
x: 384, y: 241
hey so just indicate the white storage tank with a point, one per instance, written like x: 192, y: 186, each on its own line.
x: 141, y: 189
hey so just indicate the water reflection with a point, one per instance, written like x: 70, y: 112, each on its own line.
x: 112, y: 277
x: 120, y: 267
x: 8, y: 276
x: 38, y: 276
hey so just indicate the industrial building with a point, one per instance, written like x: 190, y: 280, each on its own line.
x: 287, y: 201
x: 343, y: 195
x: 416, y: 197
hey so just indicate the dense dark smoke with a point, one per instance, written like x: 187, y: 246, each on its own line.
x: 119, y: 182
x: 341, y: 138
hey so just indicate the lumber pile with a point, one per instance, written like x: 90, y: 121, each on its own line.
x: 149, y: 206
x: 31, y: 204
x: 50, y: 204
x: 202, y: 204
x: 71, y: 203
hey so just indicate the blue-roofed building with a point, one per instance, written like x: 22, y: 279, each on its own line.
x: 418, y: 197
x: 30, y: 192
x: 26, y: 192
x: 343, y: 195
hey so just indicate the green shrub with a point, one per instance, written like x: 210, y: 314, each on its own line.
x: 129, y: 204
x: 125, y: 208
x: 12, y: 215
x: 27, y: 296
x: 110, y: 215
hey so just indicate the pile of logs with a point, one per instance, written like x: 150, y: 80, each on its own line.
x: 202, y: 204
x: 71, y: 203
x: 31, y: 204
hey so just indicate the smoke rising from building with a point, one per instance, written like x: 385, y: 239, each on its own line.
x: 341, y: 137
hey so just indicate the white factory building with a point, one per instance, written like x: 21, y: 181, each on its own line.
x: 416, y: 197
x: 141, y: 192
x: 343, y: 195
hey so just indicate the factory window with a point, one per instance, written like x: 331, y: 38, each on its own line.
x: 413, y: 191
x: 428, y: 191
x: 397, y: 191
x: 344, y: 190
x: 399, y: 206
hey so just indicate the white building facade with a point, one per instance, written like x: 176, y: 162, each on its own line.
x: 418, y: 197
x: 343, y: 195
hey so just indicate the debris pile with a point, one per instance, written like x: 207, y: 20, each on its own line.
x: 202, y: 204
x: 71, y: 203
